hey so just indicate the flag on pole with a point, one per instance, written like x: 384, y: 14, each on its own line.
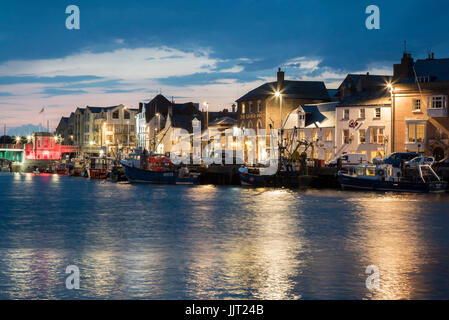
x: 42, y: 111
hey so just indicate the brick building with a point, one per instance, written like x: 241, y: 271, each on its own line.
x: 420, y: 91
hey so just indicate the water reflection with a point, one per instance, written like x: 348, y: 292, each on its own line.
x: 390, y: 238
x: 179, y: 242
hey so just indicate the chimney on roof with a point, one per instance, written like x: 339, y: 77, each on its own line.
x: 367, y: 73
x: 281, y: 75
x: 405, y: 68
x: 233, y: 107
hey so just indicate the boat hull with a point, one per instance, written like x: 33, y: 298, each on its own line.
x: 97, y: 173
x: 350, y: 182
x: 136, y: 175
x: 288, y: 180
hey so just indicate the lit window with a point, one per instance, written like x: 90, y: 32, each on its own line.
x: 314, y: 135
x: 416, y: 132
x: 360, y: 171
x: 377, y: 135
x: 346, y: 136
x: 362, y: 136
x: 371, y: 171
x: 243, y: 108
x: 328, y: 135
x: 301, y: 135
x: 328, y: 155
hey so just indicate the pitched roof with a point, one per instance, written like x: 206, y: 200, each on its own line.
x: 317, y: 116
x: 436, y: 69
x: 183, y: 121
x: 367, y: 98
x: 320, y: 116
x: 314, y: 90
x: 223, y: 121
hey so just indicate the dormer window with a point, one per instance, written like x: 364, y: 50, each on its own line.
x: 115, y: 115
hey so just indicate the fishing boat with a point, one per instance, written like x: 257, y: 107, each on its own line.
x: 61, y: 169
x: 156, y: 170
x: 98, y: 167
x: 386, y: 177
x: 256, y: 177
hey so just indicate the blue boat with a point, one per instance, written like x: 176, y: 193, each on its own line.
x: 167, y: 175
x: 419, y: 179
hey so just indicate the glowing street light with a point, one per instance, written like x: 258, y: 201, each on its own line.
x: 206, y: 104
x: 18, y: 139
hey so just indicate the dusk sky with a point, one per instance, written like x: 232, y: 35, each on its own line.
x: 215, y: 51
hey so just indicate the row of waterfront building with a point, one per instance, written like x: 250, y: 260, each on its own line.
x: 371, y: 114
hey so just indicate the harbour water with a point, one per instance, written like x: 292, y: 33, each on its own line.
x: 206, y: 242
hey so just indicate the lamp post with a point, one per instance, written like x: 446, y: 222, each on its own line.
x: 206, y: 104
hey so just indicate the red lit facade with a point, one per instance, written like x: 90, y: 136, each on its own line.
x: 45, y: 147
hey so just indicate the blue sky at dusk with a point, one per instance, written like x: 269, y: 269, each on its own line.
x: 215, y: 51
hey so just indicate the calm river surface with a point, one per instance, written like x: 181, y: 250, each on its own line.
x: 206, y: 242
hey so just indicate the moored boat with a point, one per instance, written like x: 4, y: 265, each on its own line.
x: 98, y: 167
x: 288, y: 179
x: 419, y: 179
x: 156, y: 170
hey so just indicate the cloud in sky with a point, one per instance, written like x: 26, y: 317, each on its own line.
x: 130, y: 75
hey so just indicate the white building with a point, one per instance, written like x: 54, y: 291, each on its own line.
x: 314, y: 124
x: 363, y: 124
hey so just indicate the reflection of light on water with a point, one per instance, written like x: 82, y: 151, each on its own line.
x: 259, y: 255
x: 32, y: 272
x: 391, y: 242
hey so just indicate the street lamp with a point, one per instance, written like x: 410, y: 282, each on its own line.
x: 206, y: 104
x: 278, y: 94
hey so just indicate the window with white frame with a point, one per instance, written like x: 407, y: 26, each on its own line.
x: 378, y: 113
x: 328, y: 155
x: 437, y: 102
x: 346, y: 114
x: 377, y: 135
x: 314, y: 135
x: 328, y: 137
x: 417, y: 105
x: 259, y: 106
x: 362, y: 136
x: 362, y: 113
x: 346, y: 136
x: 416, y: 132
